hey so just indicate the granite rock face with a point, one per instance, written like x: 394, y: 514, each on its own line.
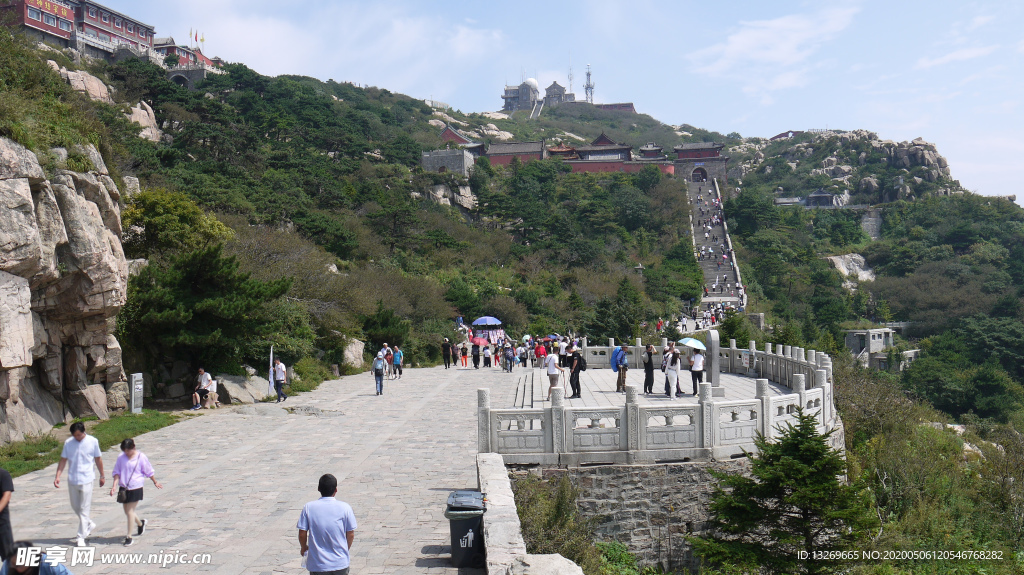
x: 143, y: 115
x: 63, y: 278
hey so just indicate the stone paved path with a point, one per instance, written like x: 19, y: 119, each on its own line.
x: 235, y: 479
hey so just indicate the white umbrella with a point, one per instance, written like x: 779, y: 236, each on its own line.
x: 691, y: 342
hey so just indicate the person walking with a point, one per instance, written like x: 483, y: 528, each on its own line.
x: 203, y: 386
x: 327, y: 528
x: 446, y: 353
x: 575, y: 367
x: 665, y: 355
x: 6, y: 534
x: 553, y: 369
x: 648, y: 359
x: 476, y: 356
x: 129, y: 474
x: 563, y: 347
x: 465, y: 355
x: 487, y: 356
x: 378, y: 372
x: 541, y: 353
x: 397, y: 357
x: 697, y: 369
x: 79, y: 453
x: 620, y: 364
x: 280, y: 379
x: 389, y: 362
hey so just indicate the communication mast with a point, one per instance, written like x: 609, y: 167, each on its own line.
x: 589, y: 87
x: 570, y: 71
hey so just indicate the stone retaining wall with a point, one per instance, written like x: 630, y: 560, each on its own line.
x: 650, y: 508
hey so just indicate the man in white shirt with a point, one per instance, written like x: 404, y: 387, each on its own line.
x: 203, y: 388
x: 562, y: 347
x: 697, y: 369
x: 81, y: 450
x: 551, y: 362
x: 280, y: 379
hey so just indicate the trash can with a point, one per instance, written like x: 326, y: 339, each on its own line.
x: 465, y: 514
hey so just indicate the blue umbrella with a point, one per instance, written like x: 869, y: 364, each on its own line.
x: 487, y: 320
x: 694, y: 343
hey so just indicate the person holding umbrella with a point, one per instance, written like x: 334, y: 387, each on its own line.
x: 696, y: 362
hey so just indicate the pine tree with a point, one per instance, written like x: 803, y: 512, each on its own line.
x: 793, y: 501
x: 200, y: 308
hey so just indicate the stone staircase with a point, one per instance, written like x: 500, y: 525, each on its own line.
x: 724, y: 275
x: 525, y: 396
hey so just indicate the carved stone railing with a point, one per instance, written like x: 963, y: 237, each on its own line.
x: 634, y: 433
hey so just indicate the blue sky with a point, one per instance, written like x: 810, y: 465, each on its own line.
x: 950, y: 72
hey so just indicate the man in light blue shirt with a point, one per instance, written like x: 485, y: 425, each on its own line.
x: 81, y: 450
x: 326, y: 530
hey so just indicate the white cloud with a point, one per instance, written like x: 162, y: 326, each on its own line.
x: 771, y: 55
x: 955, y: 56
x: 979, y: 21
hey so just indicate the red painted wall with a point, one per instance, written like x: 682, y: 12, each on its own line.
x: 504, y: 160
x: 611, y: 166
x: 57, y: 10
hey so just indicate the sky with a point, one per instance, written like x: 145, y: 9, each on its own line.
x: 950, y: 72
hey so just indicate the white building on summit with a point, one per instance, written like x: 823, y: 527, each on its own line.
x: 521, y: 97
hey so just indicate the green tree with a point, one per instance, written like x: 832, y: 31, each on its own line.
x: 647, y: 178
x: 793, y: 501
x: 619, y: 317
x: 394, y: 222
x: 200, y: 308
x: 171, y: 60
x: 157, y: 222
x: 384, y: 326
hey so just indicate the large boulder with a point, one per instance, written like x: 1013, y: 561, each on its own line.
x: 354, y: 353
x: 237, y: 389
x: 869, y: 185
x: 553, y: 564
x: 20, y: 250
x: 143, y: 115
x: 117, y: 395
x: 89, y: 401
x: 17, y: 161
x: 87, y: 84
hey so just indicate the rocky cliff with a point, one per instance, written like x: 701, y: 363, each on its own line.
x: 63, y: 277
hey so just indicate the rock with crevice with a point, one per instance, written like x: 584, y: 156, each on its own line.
x: 86, y: 83
x: 63, y: 278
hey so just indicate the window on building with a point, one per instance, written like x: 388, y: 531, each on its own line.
x: 142, y: 33
x: 130, y: 28
x: 49, y: 20
x: 92, y: 13
x: 65, y: 25
x: 105, y: 17
x: 105, y: 37
x: 117, y: 22
x: 35, y: 14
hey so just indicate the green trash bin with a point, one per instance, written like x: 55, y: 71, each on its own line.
x: 465, y: 513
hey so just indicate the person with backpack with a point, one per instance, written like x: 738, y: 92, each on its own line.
x: 378, y: 372
x: 577, y: 364
x: 620, y: 364
x: 476, y: 356
x: 648, y: 359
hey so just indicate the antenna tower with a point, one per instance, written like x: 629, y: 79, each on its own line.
x: 589, y: 87
x: 570, y: 71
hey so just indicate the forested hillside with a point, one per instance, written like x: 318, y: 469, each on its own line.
x: 314, y: 190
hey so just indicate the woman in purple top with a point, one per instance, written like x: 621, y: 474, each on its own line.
x: 130, y: 472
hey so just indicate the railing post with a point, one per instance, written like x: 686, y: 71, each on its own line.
x: 634, y: 425
x: 713, y: 362
x: 733, y: 356
x: 557, y: 418
x: 800, y: 388
x: 637, y: 352
x: 483, y: 420
x: 767, y: 417
x: 826, y: 393
x: 752, y: 350
x: 707, y: 407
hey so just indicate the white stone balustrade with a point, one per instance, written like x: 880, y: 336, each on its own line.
x: 634, y: 433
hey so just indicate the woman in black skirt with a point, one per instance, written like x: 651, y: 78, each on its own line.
x: 130, y: 472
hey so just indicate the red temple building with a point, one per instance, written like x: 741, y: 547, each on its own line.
x: 501, y: 154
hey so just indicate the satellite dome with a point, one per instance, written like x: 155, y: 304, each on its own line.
x: 533, y: 83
